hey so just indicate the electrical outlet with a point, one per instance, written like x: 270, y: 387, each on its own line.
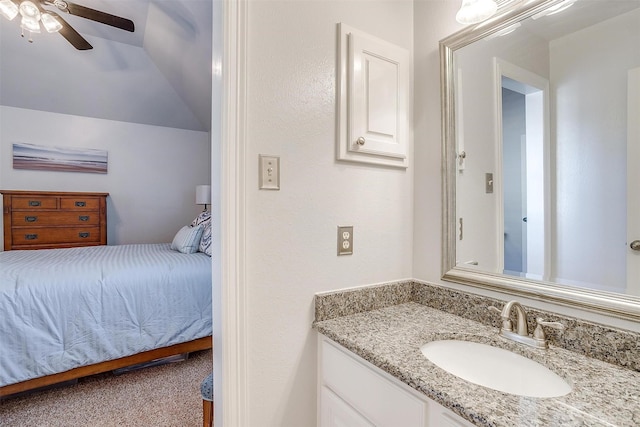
x: 345, y: 240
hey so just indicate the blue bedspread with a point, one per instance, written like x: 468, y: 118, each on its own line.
x: 64, y: 308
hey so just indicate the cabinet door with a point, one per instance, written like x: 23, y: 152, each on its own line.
x: 439, y: 416
x: 336, y: 413
x: 378, y: 96
x: 374, y: 99
x: 376, y: 395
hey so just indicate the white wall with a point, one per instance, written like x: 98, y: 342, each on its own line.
x: 152, y: 171
x: 292, y: 233
x: 591, y: 150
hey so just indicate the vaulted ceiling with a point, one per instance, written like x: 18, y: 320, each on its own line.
x: 158, y: 75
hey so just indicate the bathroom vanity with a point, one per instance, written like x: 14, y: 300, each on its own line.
x: 372, y: 371
x: 353, y: 391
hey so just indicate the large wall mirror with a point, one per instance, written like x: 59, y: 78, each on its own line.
x: 541, y: 153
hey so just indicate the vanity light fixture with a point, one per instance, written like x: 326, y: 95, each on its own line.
x: 31, y: 17
x: 475, y: 11
x: 560, y: 7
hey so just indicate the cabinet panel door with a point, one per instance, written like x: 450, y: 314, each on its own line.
x: 439, y: 416
x: 378, y: 87
x: 374, y: 396
x: 336, y: 413
x: 374, y: 99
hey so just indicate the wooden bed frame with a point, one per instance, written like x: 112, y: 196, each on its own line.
x: 110, y: 365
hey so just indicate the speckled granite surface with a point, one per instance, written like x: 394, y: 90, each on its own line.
x: 390, y: 338
x: 611, y: 345
x: 387, y: 324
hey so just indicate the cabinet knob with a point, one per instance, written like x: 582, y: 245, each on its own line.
x: 81, y: 204
x: 83, y: 235
x: 30, y: 218
x: 360, y: 141
x: 34, y: 203
x: 83, y: 217
x: 30, y: 236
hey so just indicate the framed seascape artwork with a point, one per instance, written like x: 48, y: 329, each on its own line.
x: 37, y: 157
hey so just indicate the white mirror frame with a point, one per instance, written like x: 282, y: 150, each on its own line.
x: 608, y: 303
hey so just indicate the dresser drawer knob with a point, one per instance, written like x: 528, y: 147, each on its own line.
x: 30, y: 236
x: 81, y: 204
x: 83, y: 217
x: 34, y: 203
x: 84, y: 234
x: 30, y: 218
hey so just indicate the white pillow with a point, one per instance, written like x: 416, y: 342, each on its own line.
x: 187, y: 239
x: 204, y: 219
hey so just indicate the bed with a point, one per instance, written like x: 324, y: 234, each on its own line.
x: 68, y: 313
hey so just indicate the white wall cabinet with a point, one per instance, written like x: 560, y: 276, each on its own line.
x: 354, y: 393
x: 374, y: 99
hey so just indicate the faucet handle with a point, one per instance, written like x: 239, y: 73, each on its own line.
x: 538, y: 333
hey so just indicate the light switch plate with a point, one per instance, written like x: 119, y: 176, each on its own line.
x: 269, y: 172
x: 488, y: 183
x: 345, y: 240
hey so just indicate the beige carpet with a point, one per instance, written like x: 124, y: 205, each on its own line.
x: 167, y: 395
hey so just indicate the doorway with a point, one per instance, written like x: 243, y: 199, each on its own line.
x: 633, y: 177
x: 522, y: 99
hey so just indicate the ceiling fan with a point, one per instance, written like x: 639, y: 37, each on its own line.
x: 34, y: 12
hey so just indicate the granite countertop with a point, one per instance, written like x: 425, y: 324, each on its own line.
x: 390, y: 338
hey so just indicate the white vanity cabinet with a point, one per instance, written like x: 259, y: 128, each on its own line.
x: 354, y: 393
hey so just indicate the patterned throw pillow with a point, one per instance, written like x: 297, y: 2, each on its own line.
x: 187, y: 239
x: 204, y: 219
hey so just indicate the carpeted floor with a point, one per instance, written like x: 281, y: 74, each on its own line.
x: 161, y: 396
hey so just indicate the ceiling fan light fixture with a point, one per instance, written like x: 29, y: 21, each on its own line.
x: 475, y: 11
x: 50, y: 23
x: 30, y: 24
x: 29, y: 10
x: 8, y: 9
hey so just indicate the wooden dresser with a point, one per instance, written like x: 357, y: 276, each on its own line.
x: 53, y: 219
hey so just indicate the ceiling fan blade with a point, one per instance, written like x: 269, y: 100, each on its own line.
x: 92, y: 14
x: 71, y: 35
x: 98, y: 16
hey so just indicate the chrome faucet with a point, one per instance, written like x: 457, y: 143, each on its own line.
x: 521, y: 335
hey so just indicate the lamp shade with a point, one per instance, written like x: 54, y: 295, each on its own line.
x: 203, y: 194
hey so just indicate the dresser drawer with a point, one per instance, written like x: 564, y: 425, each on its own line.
x: 80, y: 203
x: 34, y: 202
x: 44, y: 235
x: 33, y: 218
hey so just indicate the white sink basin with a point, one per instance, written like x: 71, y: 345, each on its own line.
x: 495, y: 368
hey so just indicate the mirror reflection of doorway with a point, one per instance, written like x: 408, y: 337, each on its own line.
x: 523, y: 109
x: 514, y: 187
x: 633, y: 177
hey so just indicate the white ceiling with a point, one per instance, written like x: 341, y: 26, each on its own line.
x: 158, y: 75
